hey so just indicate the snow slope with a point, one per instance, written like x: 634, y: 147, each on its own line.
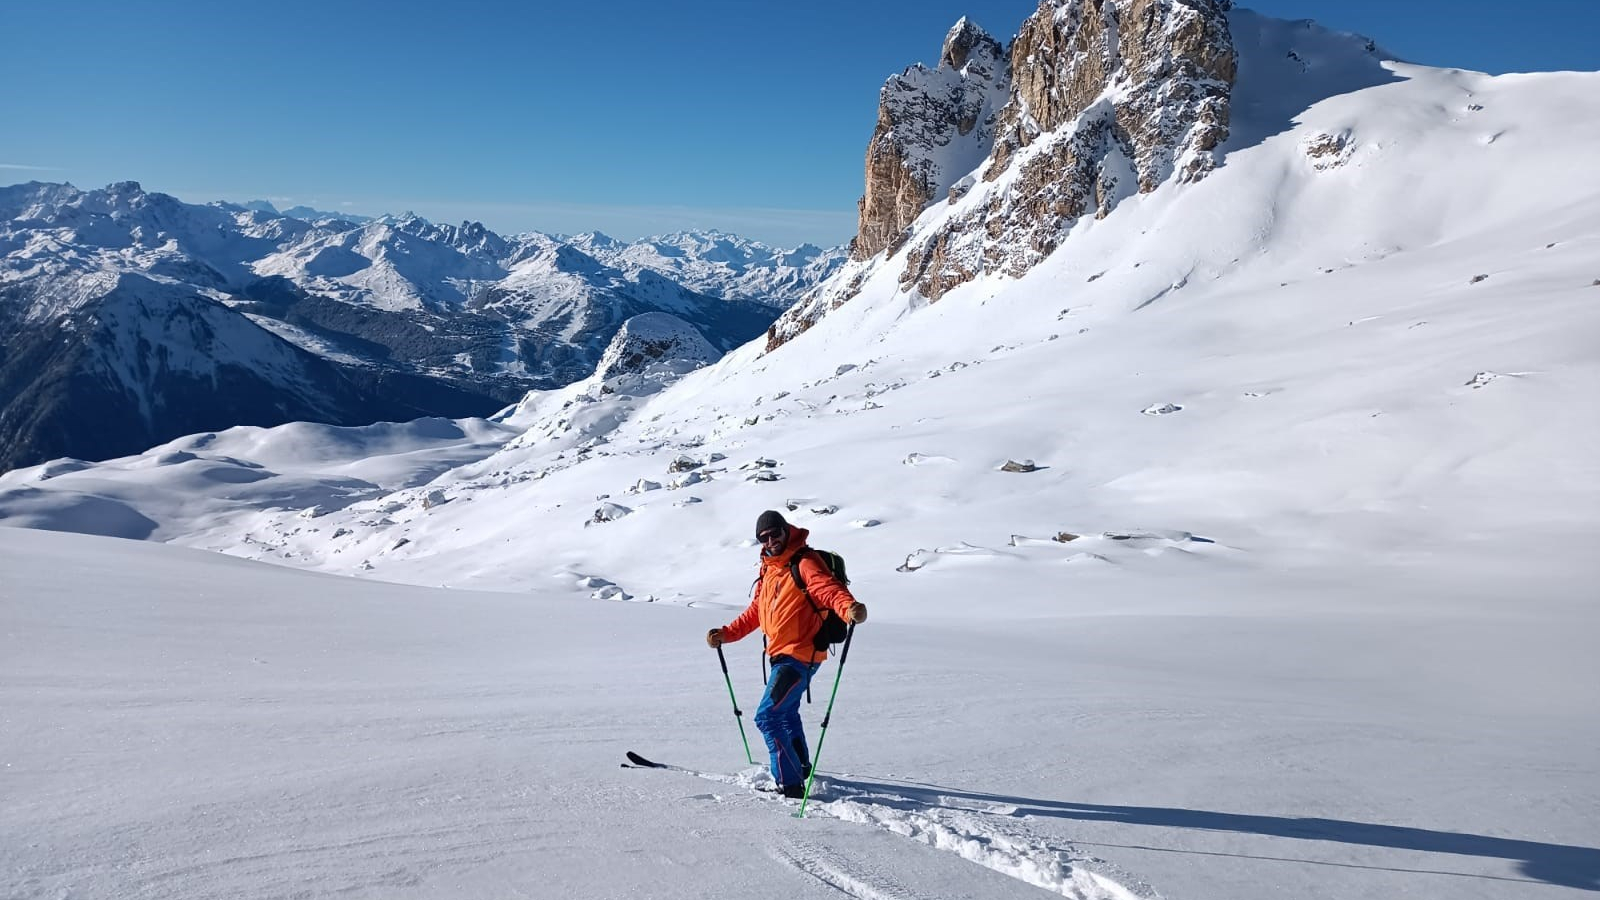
x: 1290, y: 600
x: 190, y: 725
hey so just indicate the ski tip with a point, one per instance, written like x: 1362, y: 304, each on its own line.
x: 638, y: 760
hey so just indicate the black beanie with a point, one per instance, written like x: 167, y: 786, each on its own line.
x: 770, y: 519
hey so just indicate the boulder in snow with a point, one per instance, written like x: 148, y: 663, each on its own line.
x: 608, y: 512
x: 683, y: 464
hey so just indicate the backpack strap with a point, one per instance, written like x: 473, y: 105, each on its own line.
x: 799, y: 582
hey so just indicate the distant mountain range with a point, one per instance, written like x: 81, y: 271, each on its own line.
x: 130, y: 317
x: 302, y: 212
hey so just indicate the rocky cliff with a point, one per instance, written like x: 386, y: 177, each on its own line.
x: 934, y: 125
x: 1104, y: 99
x: 1109, y: 99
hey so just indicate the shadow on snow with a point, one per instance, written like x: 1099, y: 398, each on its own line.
x: 1558, y: 864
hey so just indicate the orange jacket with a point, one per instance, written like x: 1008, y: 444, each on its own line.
x: 782, y: 612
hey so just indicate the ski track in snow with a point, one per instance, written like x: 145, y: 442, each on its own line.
x: 816, y: 862
x: 965, y: 828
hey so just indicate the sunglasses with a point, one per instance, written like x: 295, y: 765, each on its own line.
x: 770, y: 535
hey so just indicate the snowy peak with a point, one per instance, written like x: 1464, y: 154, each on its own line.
x: 934, y: 126
x: 54, y: 235
x: 1108, y: 101
x: 302, y: 212
x: 963, y: 40
x: 471, y: 238
x: 1097, y: 102
x: 33, y: 200
x: 654, y: 339
x: 720, y: 264
x: 461, y: 317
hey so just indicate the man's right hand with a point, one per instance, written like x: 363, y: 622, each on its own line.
x: 714, y: 638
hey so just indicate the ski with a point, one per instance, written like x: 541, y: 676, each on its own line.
x: 635, y: 761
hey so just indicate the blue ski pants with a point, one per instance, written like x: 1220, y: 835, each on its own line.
x: 778, y: 718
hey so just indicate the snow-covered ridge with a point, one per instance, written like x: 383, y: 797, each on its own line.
x: 306, y: 213
x: 723, y: 265
x: 443, y: 319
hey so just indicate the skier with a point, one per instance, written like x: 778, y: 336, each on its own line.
x: 790, y: 622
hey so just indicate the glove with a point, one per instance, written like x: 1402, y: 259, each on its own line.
x: 858, y: 612
x: 714, y: 638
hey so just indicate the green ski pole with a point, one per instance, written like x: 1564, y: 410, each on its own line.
x: 844, y: 654
x: 737, y: 715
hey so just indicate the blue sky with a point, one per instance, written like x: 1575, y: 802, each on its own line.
x: 624, y: 116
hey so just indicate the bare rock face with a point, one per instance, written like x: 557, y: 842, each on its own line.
x: 1105, y: 99
x: 1171, y: 63
x: 934, y: 126
x: 1109, y: 98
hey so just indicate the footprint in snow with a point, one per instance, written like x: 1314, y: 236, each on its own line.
x: 977, y: 831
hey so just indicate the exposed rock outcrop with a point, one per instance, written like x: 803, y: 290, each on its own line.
x: 934, y: 126
x: 1104, y: 99
x: 1108, y: 99
x: 654, y: 338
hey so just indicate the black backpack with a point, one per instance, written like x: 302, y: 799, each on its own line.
x: 833, y: 629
